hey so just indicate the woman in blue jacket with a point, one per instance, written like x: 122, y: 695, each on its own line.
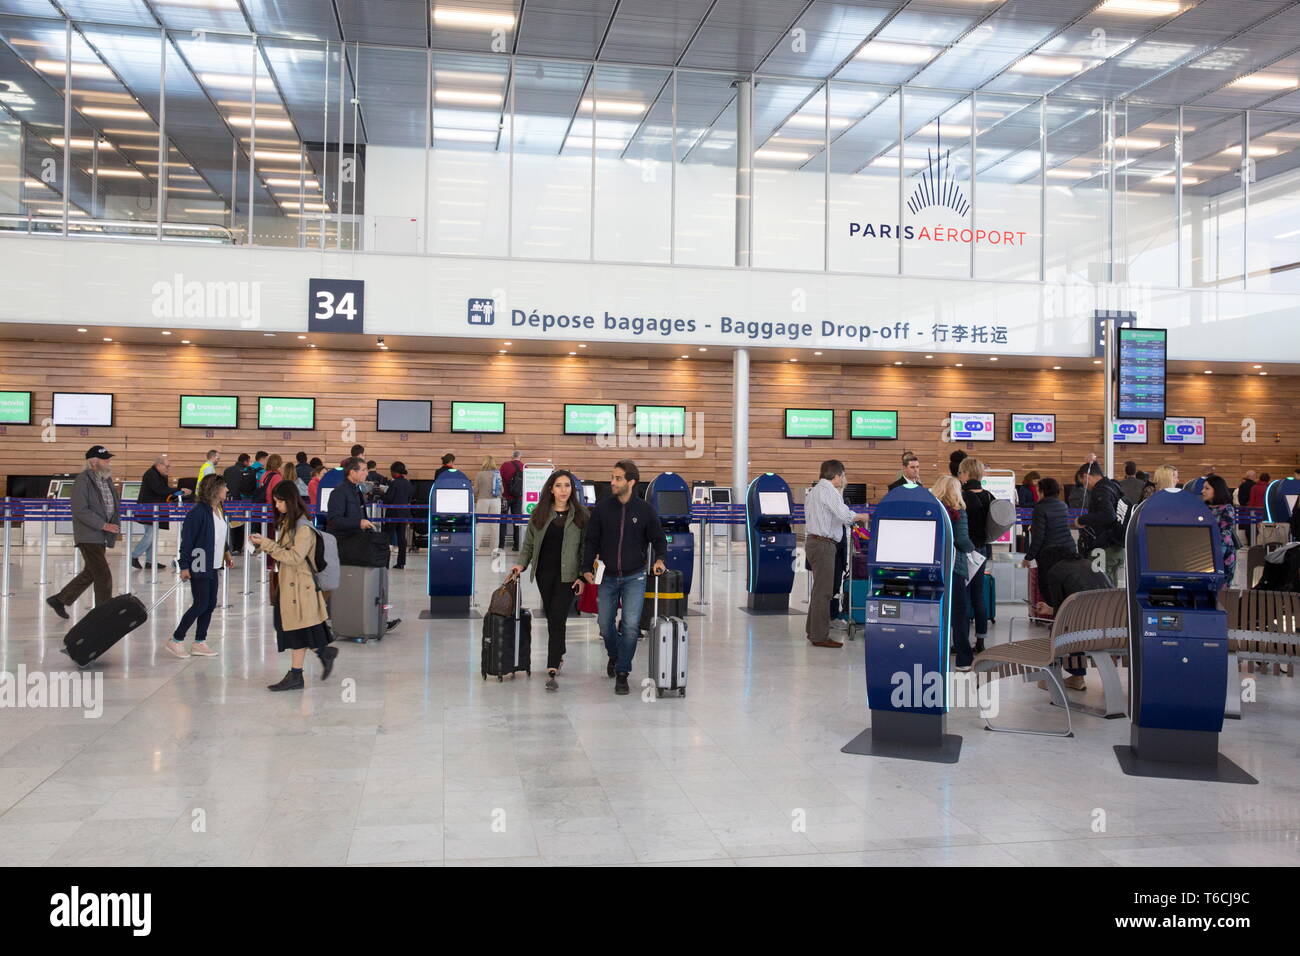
x: 949, y: 492
x: 203, y: 552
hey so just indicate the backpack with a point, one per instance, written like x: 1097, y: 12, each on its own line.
x: 999, y: 519
x: 301, y: 486
x: 515, y: 486
x: 325, y: 559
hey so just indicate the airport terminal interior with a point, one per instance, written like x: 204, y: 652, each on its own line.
x: 941, y: 354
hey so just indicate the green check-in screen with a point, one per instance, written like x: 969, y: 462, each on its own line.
x: 873, y: 424
x: 810, y: 423
x: 15, y: 408
x: 590, y: 419
x: 661, y: 419
x: 478, y: 417
x: 297, y: 414
x: 209, y: 411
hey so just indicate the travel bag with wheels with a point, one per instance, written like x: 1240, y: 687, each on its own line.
x: 105, y: 624
x: 359, y: 606
x: 507, y: 638
x: 363, y: 549
x: 667, y: 647
x: 672, y: 599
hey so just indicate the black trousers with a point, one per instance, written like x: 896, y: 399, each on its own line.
x: 512, y: 508
x: 203, y: 589
x: 557, y: 598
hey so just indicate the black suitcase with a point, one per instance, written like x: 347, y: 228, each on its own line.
x: 363, y: 549
x: 106, y: 624
x: 672, y: 599
x: 507, y: 642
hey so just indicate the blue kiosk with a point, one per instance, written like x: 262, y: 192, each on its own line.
x: 769, y: 544
x: 908, y: 622
x: 1178, y: 643
x: 1280, y: 499
x: 671, y: 498
x: 451, y: 546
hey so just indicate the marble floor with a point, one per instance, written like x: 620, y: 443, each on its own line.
x: 406, y: 756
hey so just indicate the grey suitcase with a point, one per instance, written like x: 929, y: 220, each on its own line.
x: 667, y: 646
x: 359, y: 608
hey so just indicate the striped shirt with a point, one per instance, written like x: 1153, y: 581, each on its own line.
x: 824, y: 511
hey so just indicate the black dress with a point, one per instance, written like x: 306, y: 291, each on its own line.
x: 315, y: 637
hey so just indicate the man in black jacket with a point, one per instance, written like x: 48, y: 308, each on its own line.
x: 1101, y: 524
x: 620, y: 530
x: 346, y: 511
x: 398, y: 497
x: 155, y: 489
x: 240, y: 485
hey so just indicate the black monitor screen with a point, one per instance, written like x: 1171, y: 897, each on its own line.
x: 673, y: 502
x: 403, y: 415
x: 1180, y: 549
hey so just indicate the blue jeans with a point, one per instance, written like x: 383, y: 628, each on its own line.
x: 630, y: 590
x: 145, y: 542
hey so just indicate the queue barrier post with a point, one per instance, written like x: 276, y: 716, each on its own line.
x: 8, y: 524
x: 248, y: 554
x: 153, y: 550
x: 126, y: 573
x: 45, y: 542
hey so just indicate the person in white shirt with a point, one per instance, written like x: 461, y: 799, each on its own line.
x: 825, y: 515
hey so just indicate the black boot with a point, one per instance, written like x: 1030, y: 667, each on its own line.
x: 135, y: 563
x: 291, y: 681
x: 620, y: 685
x: 327, y: 655
x: 609, y: 668
x: 979, y: 645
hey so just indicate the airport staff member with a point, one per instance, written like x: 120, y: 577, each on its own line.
x: 825, y: 515
x: 95, y: 527
x: 911, y: 472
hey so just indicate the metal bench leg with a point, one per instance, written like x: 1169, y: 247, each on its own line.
x: 1232, y: 702
x: 1116, y: 701
x: 1057, y: 693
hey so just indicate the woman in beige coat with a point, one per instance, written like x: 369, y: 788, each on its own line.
x: 298, y: 605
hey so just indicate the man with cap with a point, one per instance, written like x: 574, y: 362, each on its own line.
x: 95, y: 528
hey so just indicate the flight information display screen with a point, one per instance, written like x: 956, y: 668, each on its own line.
x: 1142, y: 373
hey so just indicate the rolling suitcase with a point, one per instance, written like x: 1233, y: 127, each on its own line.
x: 359, y: 607
x: 106, y: 624
x: 507, y: 638
x: 668, y: 639
x: 669, y: 588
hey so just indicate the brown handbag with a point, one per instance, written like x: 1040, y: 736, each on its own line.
x: 503, y: 599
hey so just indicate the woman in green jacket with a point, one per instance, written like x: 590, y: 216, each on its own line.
x: 553, y: 546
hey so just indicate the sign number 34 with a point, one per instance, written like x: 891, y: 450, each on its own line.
x: 336, y: 305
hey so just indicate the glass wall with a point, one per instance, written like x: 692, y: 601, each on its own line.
x: 205, y: 136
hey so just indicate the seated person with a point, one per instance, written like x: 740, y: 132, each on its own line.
x: 1070, y: 576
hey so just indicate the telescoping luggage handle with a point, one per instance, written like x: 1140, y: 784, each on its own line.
x: 170, y: 591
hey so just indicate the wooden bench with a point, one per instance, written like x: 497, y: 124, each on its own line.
x: 1263, y: 628
x: 1089, y: 625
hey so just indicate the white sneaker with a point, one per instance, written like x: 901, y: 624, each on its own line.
x: 202, y: 649
x: 839, y: 624
x: 176, y: 649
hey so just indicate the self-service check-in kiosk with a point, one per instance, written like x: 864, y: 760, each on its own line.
x: 907, y: 625
x: 769, y: 543
x: 1178, y: 643
x: 671, y: 498
x: 451, y: 545
x: 1280, y: 498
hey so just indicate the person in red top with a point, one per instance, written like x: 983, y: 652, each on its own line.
x: 313, y: 486
x: 1257, y: 492
x: 512, y: 501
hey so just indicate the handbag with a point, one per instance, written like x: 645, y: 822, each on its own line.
x: 503, y: 599
x: 589, y: 599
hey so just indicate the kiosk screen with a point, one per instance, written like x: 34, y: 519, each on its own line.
x: 720, y: 496
x: 774, y: 502
x: 452, y: 501
x: 131, y: 490
x: 674, y: 502
x: 905, y: 542
x: 1186, y: 549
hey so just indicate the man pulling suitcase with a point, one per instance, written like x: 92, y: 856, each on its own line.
x: 95, y: 528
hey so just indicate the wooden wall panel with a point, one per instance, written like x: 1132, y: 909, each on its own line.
x: 147, y: 380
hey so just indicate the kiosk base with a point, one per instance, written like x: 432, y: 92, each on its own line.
x: 1178, y: 755
x: 906, y: 736
x: 443, y: 608
x: 775, y: 603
